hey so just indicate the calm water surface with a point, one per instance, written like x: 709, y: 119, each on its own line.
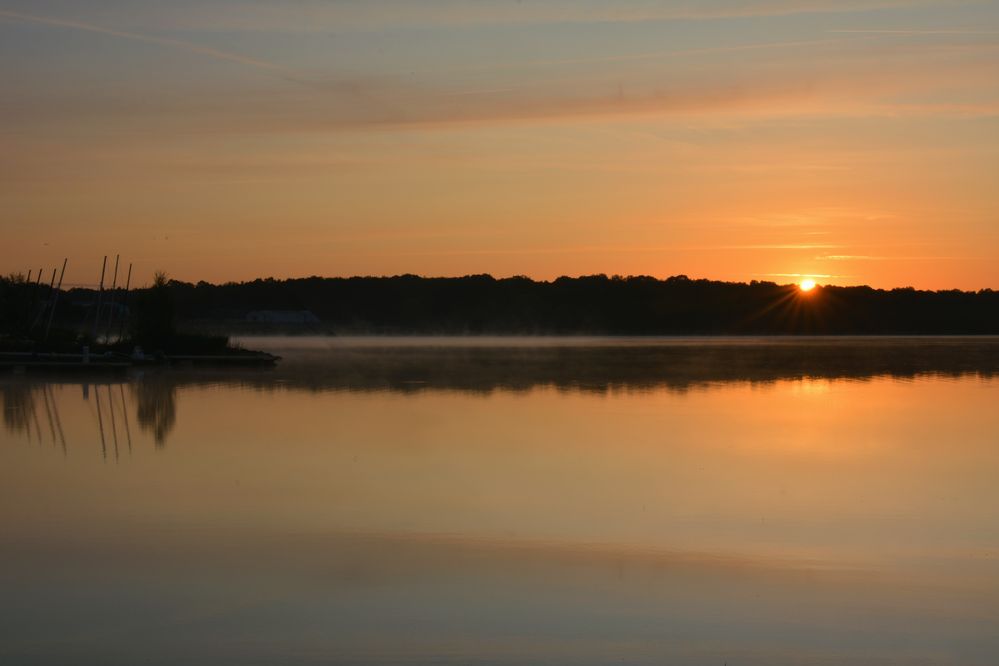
x: 510, y: 502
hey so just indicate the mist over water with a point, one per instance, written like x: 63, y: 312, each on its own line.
x: 510, y: 501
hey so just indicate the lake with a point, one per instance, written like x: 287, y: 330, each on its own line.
x: 510, y: 501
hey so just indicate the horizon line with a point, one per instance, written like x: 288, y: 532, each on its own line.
x: 622, y: 277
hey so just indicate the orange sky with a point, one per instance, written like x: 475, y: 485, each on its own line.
x: 854, y: 141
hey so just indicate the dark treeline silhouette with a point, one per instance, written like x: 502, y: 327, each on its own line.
x: 115, y: 319
x: 481, y: 304
x: 25, y: 306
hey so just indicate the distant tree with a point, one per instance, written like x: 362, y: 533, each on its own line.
x: 16, y: 300
x: 153, y: 321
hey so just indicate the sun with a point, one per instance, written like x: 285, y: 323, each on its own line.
x: 807, y: 284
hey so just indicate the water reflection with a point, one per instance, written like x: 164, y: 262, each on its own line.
x: 485, y: 365
x: 156, y: 405
x: 18, y: 408
x: 114, y: 406
x: 404, y: 503
x: 600, y: 365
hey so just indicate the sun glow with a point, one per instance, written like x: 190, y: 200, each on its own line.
x: 807, y: 284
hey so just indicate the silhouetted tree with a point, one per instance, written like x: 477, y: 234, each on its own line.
x: 17, y: 296
x: 153, y: 318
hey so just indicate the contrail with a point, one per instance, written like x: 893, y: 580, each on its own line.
x: 150, y: 39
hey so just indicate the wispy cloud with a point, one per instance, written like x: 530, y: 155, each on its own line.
x: 670, y: 53
x: 805, y: 275
x: 867, y: 257
x: 822, y: 79
x: 914, y: 32
x: 779, y: 246
x: 380, y: 15
x: 623, y: 249
x: 152, y: 39
x: 399, y: 103
x: 849, y: 257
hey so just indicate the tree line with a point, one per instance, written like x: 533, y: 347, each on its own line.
x: 596, y: 304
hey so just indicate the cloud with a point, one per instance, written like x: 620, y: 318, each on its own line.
x: 821, y: 276
x: 849, y: 257
x: 785, y: 246
x: 380, y: 15
x: 604, y: 249
x: 151, y: 39
x: 855, y: 89
x: 914, y: 32
x: 866, y: 257
x: 819, y: 78
x: 671, y: 53
x: 386, y: 104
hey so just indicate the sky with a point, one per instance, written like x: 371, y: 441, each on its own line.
x: 853, y: 141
